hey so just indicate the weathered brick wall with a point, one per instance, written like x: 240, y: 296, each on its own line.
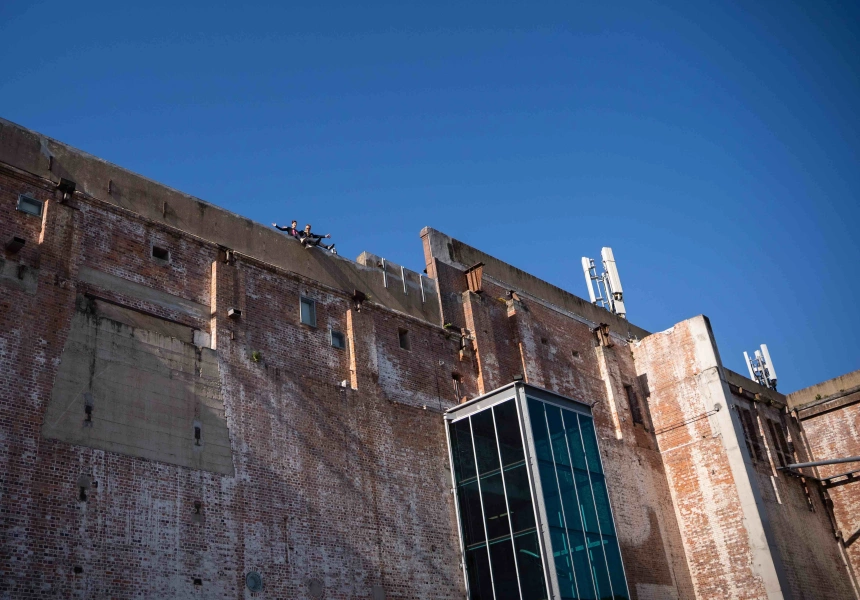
x: 752, y: 513
x: 832, y: 430
x: 345, y: 485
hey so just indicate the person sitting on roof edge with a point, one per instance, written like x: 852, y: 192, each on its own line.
x: 310, y: 239
x: 291, y: 230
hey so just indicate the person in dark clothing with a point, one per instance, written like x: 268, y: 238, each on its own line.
x: 310, y: 239
x: 291, y: 230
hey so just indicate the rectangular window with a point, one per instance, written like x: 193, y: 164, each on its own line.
x: 751, y: 434
x: 403, y: 335
x: 308, y: 311
x: 633, y: 402
x: 160, y: 253
x: 338, y: 340
x: 29, y: 205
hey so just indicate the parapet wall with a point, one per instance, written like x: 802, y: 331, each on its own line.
x: 457, y: 254
x: 49, y: 159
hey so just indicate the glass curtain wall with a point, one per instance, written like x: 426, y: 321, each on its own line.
x: 497, y: 516
x: 585, y: 549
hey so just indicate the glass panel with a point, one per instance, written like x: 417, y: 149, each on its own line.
x: 586, y: 502
x: 550, y: 495
x: 461, y: 450
x: 485, y: 441
x: 589, y: 440
x: 478, y: 568
x: 598, y: 566
x: 470, y: 513
x: 581, y: 565
x: 568, y: 498
x: 519, y: 498
x: 504, y: 570
x: 616, y: 571
x: 508, y: 428
x: 574, y: 440
x: 529, y: 563
x: 601, y: 499
x: 563, y: 568
x: 539, y: 432
x: 495, y: 510
x: 557, y: 437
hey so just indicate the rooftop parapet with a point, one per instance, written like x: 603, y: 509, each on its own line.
x: 462, y: 256
x: 98, y: 179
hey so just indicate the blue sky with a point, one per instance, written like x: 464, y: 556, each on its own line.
x: 713, y: 145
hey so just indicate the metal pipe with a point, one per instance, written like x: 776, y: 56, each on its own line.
x: 820, y: 463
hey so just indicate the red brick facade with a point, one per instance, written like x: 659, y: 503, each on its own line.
x: 341, y: 483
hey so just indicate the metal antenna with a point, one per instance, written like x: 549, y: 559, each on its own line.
x: 761, y: 367
x: 609, y: 293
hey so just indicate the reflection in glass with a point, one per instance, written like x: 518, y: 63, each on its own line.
x: 508, y: 428
x: 485, y: 441
x: 470, y: 513
x: 530, y: 566
x: 519, y: 498
x: 582, y: 533
x: 495, y: 508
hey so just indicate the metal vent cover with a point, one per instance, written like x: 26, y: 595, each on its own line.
x: 315, y: 588
x: 254, y: 581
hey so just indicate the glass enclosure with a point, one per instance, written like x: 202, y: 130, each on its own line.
x: 499, y: 473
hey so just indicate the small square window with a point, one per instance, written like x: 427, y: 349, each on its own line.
x: 308, y: 311
x: 338, y: 339
x: 29, y: 205
x: 160, y: 253
x: 403, y: 335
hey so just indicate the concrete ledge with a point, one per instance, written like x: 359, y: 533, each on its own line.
x: 49, y: 159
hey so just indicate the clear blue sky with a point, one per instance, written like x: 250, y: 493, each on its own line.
x: 714, y: 145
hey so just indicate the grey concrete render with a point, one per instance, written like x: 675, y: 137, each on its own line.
x: 148, y: 390
x: 832, y: 387
x: 101, y: 180
x: 143, y: 292
x: 19, y: 276
x: 458, y: 254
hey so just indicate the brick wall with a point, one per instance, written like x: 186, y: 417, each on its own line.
x: 348, y: 486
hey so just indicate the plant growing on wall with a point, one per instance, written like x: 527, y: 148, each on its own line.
x: 256, y: 356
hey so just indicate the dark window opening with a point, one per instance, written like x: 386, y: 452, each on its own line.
x: 29, y: 205
x: 751, y: 434
x: 543, y: 340
x: 308, y: 309
x: 198, y: 581
x: 78, y: 570
x: 458, y: 392
x: 338, y: 340
x: 635, y: 407
x: 196, y: 435
x: 82, y: 496
x: 782, y: 453
x: 403, y: 335
x: 575, y: 353
x: 197, y: 507
x: 160, y: 253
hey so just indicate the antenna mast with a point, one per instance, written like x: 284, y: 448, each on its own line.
x: 761, y: 367
x: 610, y: 294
